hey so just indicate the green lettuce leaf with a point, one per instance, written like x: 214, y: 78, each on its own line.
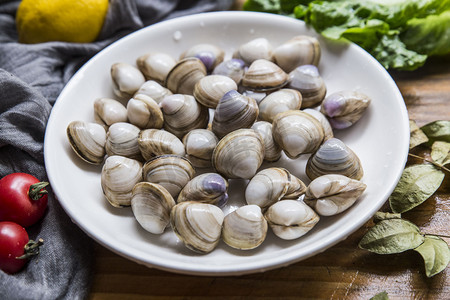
x: 270, y: 6
x: 430, y: 35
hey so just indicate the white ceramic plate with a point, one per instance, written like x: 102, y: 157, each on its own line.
x: 380, y: 139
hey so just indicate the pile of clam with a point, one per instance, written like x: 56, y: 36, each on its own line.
x: 222, y: 118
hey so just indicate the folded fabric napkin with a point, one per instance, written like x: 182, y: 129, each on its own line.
x: 31, y: 78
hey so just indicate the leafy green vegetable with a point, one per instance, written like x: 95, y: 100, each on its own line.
x: 437, y: 131
x: 430, y: 35
x: 417, y: 137
x: 380, y: 296
x: 440, y: 152
x: 417, y: 184
x: 435, y: 254
x: 380, y: 216
x: 392, y: 236
x: 399, y: 34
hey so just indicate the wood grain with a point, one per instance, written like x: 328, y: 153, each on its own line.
x: 343, y: 271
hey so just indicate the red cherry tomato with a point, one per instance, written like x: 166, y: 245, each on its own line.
x: 23, y: 199
x: 15, y: 247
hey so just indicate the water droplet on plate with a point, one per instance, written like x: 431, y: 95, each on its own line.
x: 202, y: 24
x: 252, y: 31
x: 177, y: 35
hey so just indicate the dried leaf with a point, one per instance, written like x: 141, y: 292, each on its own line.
x: 380, y: 296
x: 437, y: 131
x: 435, y: 254
x: 392, y: 236
x: 417, y: 184
x: 440, y: 152
x: 417, y: 137
x: 380, y: 216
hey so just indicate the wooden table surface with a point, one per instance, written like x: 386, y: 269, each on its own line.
x: 341, y: 272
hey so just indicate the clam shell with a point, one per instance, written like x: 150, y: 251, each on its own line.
x: 210, y: 89
x: 239, y: 154
x: 210, y: 55
x: 199, y: 145
x: 144, y: 112
x: 154, y: 90
x: 184, y: 75
x: 108, y: 111
x: 272, y: 152
x: 297, y: 132
x: 290, y: 219
x: 298, y: 51
x: 155, y: 142
x: 245, y: 228
x: 323, y: 120
x: 258, y: 48
x: 151, y: 205
x: 233, y: 68
x: 334, y: 157
x: 279, y: 101
x: 122, y: 139
x: 332, y: 194
x: 156, y: 65
x: 198, y: 225
x: 307, y: 80
x: 264, y: 75
x: 87, y: 141
x: 182, y: 113
x: 234, y: 111
x: 171, y: 171
x: 344, y: 108
x: 119, y: 176
x: 206, y: 188
x: 267, y: 187
x: 126, y: 79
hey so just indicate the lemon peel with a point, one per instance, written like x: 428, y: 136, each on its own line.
x: 77, y: 21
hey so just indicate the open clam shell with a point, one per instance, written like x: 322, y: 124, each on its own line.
x: 151, y: 204
x: 119, y: 176
x: 171, y: 171
x: 245, y: 228
x: 155, y: 142
x: 297, y: 132
x: 290, y: 219
x: 332, y: 194
x: 334, y: 157
x: 239, y: 154
x: 87, y: 141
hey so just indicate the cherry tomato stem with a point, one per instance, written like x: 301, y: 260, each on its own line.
x: 37, y: 190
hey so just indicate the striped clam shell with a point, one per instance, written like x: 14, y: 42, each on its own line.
x: 184, y: 75
x: 307, y: 80
x: 334, y: 157
x: 263, y: 75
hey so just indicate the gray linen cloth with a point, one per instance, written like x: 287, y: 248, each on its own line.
x: 31, y: 78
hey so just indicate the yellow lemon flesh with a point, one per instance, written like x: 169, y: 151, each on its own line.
x: 78, y: 21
